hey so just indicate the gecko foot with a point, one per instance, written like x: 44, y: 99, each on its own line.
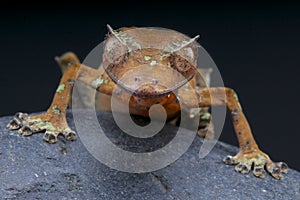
x: 257, y: 161
x: 52, y: 124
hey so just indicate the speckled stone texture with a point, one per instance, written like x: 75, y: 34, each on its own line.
x: 33, y: 169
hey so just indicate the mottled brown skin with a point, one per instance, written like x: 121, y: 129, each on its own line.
x: 250, y: 157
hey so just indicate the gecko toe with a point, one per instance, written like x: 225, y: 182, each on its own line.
x: 50, y: 137
x: 277, y: 169
x: 25, y: 131
x: 21, y: 116
x: 242, y: 168
x: 14, y: 124
x: 17, y: 121
x: 283, y: 167
x: 70, y: 135
x: 259, y: 171
x: 230, y: 160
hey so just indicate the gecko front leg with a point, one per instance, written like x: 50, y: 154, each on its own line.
x: 54, y: 122
x: 250, y: 157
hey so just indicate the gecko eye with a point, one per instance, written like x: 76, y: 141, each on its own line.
x: 183, y: 53
x: 180, y: 63
x: 114, y: 51
x: 187, y: 53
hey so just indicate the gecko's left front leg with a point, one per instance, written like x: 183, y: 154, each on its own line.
x: 54, y: 120
x: 250, y: 157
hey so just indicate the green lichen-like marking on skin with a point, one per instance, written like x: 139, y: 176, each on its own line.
x: 42, y: 124
x: 153, y: 62
x: 258, y: 160
x: 147, y: 58
x: 61, y: 88
x: 105, y: 81
x: 56, y: 110
x: 205, y: 116
x: 97, y: 82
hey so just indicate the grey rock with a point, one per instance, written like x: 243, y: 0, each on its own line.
x: 33, y: 169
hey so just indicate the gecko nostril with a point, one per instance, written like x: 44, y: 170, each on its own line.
x: 154, y: 81
x: 137, y: 79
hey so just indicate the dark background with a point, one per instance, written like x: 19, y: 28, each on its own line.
x: 255, y: 46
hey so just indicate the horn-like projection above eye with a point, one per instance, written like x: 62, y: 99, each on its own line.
x: 178, y: 45
x: 125, y: 39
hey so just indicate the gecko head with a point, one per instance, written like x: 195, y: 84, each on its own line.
x: 149, y: 62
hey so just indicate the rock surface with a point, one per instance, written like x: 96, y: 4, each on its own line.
x: 33, y: 169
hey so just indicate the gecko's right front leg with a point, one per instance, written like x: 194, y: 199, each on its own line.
x: 54, y: 122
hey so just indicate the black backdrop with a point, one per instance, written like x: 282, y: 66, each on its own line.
x: 255, y: 46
